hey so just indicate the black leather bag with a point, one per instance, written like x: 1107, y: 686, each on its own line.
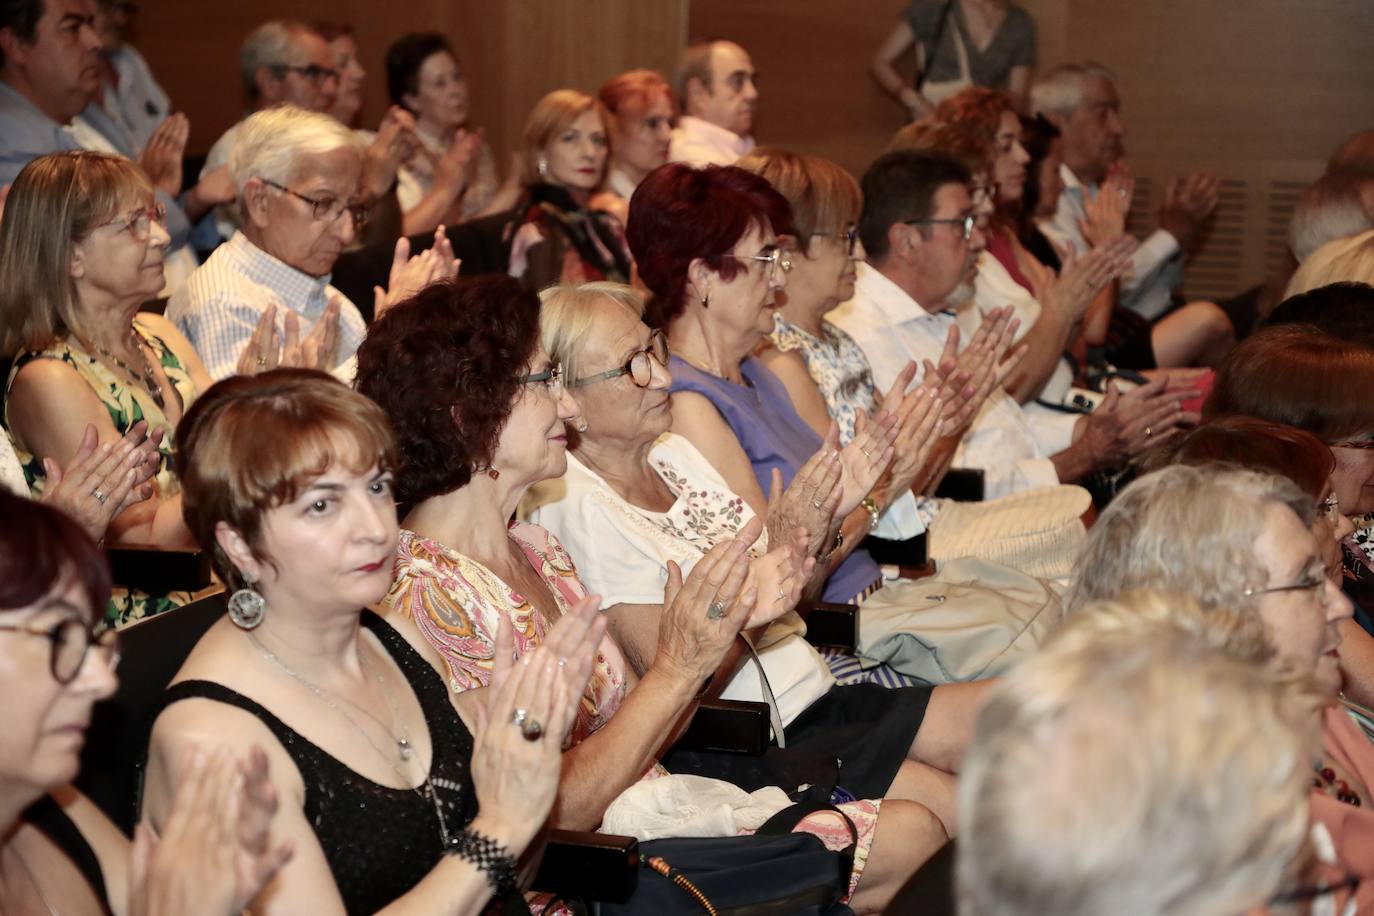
x: 772, y: 873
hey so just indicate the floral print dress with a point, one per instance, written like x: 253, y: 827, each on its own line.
x: 126, y: 405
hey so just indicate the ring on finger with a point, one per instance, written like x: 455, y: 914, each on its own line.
x: 562, y: 662
x: 100, y: 497
x: 782, y: 596
x: 532, y: 730
x: 519, y: 716
x: 818, y: 504
x: 262, y: 361
x: 867, y: 453
x: 1148, y: 432
x: 715, y: 611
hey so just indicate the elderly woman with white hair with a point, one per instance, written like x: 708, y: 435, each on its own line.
x: 298, y: 175
x: 1063, y: 814
x: 1338, y: 261
x: 1240, y: 539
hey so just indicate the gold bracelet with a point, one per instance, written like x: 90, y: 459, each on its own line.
x: 874, y: 513
x: 839, y: 542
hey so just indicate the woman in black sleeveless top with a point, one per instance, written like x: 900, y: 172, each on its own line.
x: 387, y: 799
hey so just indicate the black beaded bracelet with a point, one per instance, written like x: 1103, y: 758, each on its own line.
x: 489, y: 856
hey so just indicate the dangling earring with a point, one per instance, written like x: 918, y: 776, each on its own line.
x: 489, y: 471
x: 582, y: 426
x: 543, y: 168
x: 706, y: 301
x: 247, y: 606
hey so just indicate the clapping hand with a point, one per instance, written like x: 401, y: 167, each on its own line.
x: 161, y: 159
x: 866, y: 458
x: 780, y: 576
x: 968, y: 377
x: 1188, y: 202
x: 101, y: 481
x: 393, y: 145
x: 531, y: 705
x: 214, y: 853
x: 1124, y: 425
x: 808, y: 504
x: 265, y: 350
x: 702, y: 615
x: 410, y: 275
x: 1084, y: 276
x: 1104, y: 216
x: 918, y: 416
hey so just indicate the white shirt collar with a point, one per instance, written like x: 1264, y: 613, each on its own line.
x: 715, y: 135
x: 889, y: 300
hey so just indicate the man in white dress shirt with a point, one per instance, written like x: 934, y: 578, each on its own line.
x: 1081, y: 100
x: 919, y: 230
x: 715, y: 83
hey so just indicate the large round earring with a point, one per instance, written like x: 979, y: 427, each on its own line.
x: 543, y: 168
x: 247, y: 606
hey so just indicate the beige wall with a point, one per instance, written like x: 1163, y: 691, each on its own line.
x: 1258, y: 92
x: 513, y: 51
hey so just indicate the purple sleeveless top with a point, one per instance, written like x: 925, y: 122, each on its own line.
x: 773, y: 435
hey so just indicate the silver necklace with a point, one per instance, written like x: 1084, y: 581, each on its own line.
x: 33, y: 880
x: 404, y: 749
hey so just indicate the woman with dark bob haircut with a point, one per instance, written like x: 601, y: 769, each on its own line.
x: 481, y: 415
x: 1296, y: 454
x: 58, y: 852
x: 390, y: 798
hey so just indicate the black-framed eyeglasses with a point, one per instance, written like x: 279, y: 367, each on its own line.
x: 967, y: 222
x: 638, y: 367
x: 850, y: 238
x: 777, y: 260
x: 1316, y: 891
x: 70, y: 639
x: 1309, y: 583
x: 313, y: 72
x: 329, y: 209
x: 140, y: 222
x: 551, y: 378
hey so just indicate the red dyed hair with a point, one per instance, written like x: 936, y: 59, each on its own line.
x: 1261, y: 445
x: 679, y: 213
x: 976, y: 109
x: 633, y: 91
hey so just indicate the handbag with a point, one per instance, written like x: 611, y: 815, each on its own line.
x: 773, y: 873
x: 937, y: 91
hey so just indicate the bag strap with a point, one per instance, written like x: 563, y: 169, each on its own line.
x: 774, y: 714
x: 786, y: 821
x: 935, y: 44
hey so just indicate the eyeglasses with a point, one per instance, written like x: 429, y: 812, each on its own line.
x: 637, y: 367
x: 778, y: 263
x: 313, y: 72
x: 966, y: 222
x: 982, y: 193
x: 140, y: 222
x: 1317, y: 891
x: 1310, y: 583
x: 551, y: 378
x: 71, y: 639
x: 850, y: 238
x: 329, y: 209
x: 1353, y: 443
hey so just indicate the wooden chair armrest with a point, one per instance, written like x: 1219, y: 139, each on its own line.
x: 728, y: 727
x: 589, y: 866
x: 158, y: 570
x: 965, y: 485
x: 834, y: 626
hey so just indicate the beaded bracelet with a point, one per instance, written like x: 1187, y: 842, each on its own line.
x: 489, y: 856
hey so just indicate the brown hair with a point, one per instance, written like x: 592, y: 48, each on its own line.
x: 252, y: 443
x: 977, y: 110
x: 1297, y: 375
x: 55, y: 203
x: 1260, y: 445
x: 552, y: 115
x: 952, y: 139
x: 823, y: 196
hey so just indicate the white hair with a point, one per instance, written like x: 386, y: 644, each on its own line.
x: 1060, y: 91
x: 1341, y: 260
x: 271, y: 142
x: 268, y: 45
x: 1138, y: 766
x: 1335, y: 206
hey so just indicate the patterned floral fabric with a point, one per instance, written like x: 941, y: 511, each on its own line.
x: 837, y: 366
x: 126, y: 405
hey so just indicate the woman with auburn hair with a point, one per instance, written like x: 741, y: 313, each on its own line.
x: 558, y: 235
x: 642, y: 110
x: 390, y: 797
x: 1241, y: 540
x: 83, y: 242
x: 58, y: 852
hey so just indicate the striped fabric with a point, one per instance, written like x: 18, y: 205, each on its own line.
x: 849, y: 669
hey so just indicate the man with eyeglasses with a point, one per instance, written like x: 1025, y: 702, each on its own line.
x: 919, y: 229
x: 716, y: 83
x: 298, y: 175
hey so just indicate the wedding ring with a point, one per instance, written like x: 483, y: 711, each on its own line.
x: 782, y: 596
x: 100, y: 497
x: 519, y: 716
x: 562, y: 662
x: 1148, y: 432
x: 532, y: 730
x: 262, y: 361
x: 715, y: 611
x: 817, y: 503
x: 867, y: 454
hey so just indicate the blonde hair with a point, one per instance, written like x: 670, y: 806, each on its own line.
x: 822, y: 195
x: 1339, y: 260
x: 1188, y: 529
x: 1153, y: 758
x: 568, y: 313
x: 552, y: 115
x: 55, y: 203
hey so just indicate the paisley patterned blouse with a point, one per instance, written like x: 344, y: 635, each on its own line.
x: 837, y: 366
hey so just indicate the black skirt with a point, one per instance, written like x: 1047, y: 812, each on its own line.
x: 868, y: 727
